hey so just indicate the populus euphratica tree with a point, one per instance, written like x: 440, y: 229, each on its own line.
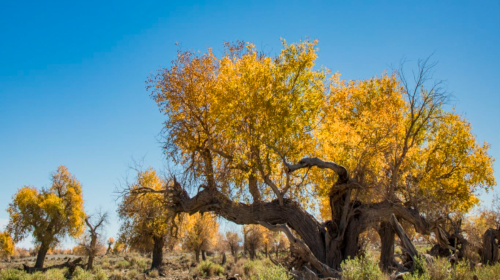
x: 267, y: 135
x: 50, y: 214
x: 146, y: 223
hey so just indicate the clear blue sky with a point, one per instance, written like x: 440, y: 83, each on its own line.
x: 72, y: 74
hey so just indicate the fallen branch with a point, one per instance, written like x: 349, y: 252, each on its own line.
x: 70, y: 264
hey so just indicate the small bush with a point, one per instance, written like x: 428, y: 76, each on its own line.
x: 139, y: 262
x: 207, y: 268
x: 361, y: 268
x: 13, y: 274
x: 154, y: 273
x: 81, y: 274
x: 100, y: 274
x: 133, y: 274
x: 117, y: 275
x: 122, y: 264
x: 271, y: 272
x: 488, y: 272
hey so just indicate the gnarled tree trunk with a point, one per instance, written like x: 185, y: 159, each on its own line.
x: 158, y: 245
x: 489, y: 253
x: 329, y: 243
x: 386, y: 233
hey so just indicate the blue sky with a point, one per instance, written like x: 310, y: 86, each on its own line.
x: 72, y: 74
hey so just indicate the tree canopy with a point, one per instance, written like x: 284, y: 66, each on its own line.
x: 250, y: 127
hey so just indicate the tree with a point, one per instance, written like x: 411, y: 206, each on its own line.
x: 280, y: 244
x: 254, y: 236
x: 201, y: 231
x: 6, y: 245
x: 111, y: 240
x: 91, y: 241
x: 256, y: 132
x: 49, y: 214
x: 146, y: 222
x: 233, y: 240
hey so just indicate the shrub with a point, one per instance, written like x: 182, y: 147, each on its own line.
x: 122, y: 264
x: 361, y: 268
x: 207, y: 268
x: 133, y: 274
x: 117, y: 275
x: 81, y: 274
x: 271, y: 272
x: 100, y: 274
x: 13, y: 274
x: 154, y: 273
x: 488, y: 272
x: 139, y: 263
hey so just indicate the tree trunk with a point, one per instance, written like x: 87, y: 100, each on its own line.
x: 386, y: 233
x: 92, y: 251
x: 197, y: 255
x: 330, y: 242
x: 489, y: 253
x: 159, y: 242
x: 40, y: 258
x: 223, y: 262
x: 90, y: 263
x: 203, y: 257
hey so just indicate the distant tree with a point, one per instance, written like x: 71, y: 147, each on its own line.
x: 119, y: 247
x: 91, y: 241
x: 280, y: 243
x: 201, y: 231
x: 254, y: 239
x: 6, y: 245
x: 146, y: 226
x: 49, y: 214
x: 233, y: 239
x: 111, y: 240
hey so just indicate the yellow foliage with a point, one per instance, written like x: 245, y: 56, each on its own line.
x: 201, y: 232
x: 228, y: 111
x: 232, y: 118
x: 51, y: 213
x: 144, y: 214
x: 6, y: 244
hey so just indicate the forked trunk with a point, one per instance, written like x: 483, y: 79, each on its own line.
x: 159, y: 242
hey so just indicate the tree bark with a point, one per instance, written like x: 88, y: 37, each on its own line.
x: 490, y: 253
x: 40, y: 258
x: 203, y: 256
x: 386, y: 233
x: 158, y: 245
x: 330, y: 242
